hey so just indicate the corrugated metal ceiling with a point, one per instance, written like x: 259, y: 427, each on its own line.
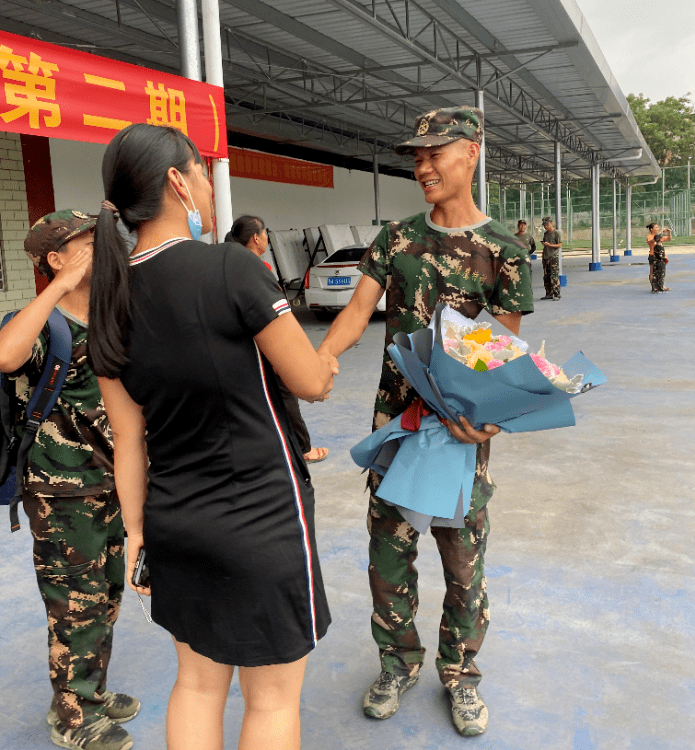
x: 349, y: 76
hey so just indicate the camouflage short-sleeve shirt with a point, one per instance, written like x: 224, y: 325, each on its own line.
x: 470, y: 269
x: 72, y: 453
x: 554, y: 237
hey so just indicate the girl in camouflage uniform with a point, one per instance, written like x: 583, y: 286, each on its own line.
x: 69, y: 495
x: 657, y: 257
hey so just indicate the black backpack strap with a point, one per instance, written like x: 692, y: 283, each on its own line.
x: 7, y: 415
x: 44, y: 397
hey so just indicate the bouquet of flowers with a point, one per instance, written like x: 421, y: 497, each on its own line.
x: 474, y: 345
x: 460, y: 367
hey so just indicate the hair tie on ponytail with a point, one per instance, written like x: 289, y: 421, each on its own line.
x: 108, y: 206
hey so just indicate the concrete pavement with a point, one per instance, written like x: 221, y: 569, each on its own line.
x: 590, y: 563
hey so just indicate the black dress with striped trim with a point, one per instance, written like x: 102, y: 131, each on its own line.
x: 229, y: 517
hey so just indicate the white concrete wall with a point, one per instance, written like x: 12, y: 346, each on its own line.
x: 77, y: 184
x: 351, y: 201
x: 77, y: 175
x: 14, y: 225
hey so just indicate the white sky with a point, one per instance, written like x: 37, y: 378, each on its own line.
x: 649, y: 44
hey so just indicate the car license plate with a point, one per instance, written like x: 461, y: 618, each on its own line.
x: 339, y: 280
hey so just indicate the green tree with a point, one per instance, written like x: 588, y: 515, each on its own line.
x: 668, y: 127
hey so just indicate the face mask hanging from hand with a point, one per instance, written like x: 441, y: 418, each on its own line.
x: 195, y: 223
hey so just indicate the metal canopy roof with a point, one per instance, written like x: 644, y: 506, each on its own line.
x: 349, y: 76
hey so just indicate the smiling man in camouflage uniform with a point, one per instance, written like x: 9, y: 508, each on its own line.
x: 457, y: 255
x: 69, y: 495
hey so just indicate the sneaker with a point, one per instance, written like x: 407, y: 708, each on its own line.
x: 100, y: 735
x: 665, y: 289
x: 556, y: 297
x: 118, y: 707
x: 381, y: 700
x: 468, y: 711
x: 548, y: 296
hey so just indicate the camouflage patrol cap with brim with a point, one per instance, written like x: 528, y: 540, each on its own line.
x: 443, y: 126
x: 53, y: 231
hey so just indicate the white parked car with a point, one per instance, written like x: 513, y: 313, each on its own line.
x: 328, y: 286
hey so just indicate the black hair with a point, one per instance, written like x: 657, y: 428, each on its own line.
x: 244, y: 228
x: 134, y: 172
x: 649, y: 226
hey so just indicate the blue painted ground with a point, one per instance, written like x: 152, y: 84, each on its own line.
x: 591, y: 568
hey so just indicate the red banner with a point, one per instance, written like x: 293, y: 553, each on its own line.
x: 62, y: 93
x: 259, y: 166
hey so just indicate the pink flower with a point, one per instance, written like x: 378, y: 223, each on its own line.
x: 548, y: 369
x: 494, y: 363
x: 495, y: 346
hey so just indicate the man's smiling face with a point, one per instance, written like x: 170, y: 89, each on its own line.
x: 444, y: 171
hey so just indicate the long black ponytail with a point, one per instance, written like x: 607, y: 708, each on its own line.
x: 134, y: 172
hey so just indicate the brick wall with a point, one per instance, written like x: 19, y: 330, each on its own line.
x: 18, y: 271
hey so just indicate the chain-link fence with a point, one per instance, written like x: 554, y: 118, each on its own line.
x: 673, y: 207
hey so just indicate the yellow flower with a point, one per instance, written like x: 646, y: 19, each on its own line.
x: 481, y: 336
x: 477, y: 351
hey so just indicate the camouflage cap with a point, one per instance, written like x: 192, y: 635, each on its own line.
x: 442, y: 126
x: 546, y: 220
x: 53, y: 231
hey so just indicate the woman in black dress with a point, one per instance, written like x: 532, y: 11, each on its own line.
x: 185, y: 337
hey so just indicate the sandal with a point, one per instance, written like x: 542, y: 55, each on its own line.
x: 322, y: 453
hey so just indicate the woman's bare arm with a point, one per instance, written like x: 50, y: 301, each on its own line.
x: 307, y: 374
x: 130, y: 465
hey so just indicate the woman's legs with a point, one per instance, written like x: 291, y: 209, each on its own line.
x: 271, y: 715
x: 196, y: 705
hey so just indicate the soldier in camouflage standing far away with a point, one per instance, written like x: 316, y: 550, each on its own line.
x: 457, y: 255
x: 552, y: 242
x: 69, y: 495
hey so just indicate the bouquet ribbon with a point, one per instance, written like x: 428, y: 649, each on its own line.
x: 411, y: 418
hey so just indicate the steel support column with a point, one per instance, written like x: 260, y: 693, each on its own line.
x: 523, y: 213
x: 189, y: 43
x: 375, y: 166
x: 628, y: 220
x: 482, y: 189
x: 558, y: 204
x: 595, y: 264
x: 214, y: 75
x: 614, y: 254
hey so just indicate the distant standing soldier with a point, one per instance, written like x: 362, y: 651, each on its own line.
x: 69, y: 495
x: 527, y: 239
x: 552, y: 242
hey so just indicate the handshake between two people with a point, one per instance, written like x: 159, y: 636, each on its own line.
x: 463, y: 432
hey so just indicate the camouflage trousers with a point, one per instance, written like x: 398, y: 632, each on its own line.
x: 658, y: 271
x: 551, y: 276
x: 393, y: 580
x: 78, y: 558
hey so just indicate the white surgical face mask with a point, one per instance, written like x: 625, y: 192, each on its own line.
x: 195, y: 223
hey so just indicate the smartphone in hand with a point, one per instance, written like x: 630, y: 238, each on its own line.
x: 141, y: 574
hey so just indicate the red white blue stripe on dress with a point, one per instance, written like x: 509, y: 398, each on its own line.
x: 281, y: 306
x: 299, y: 507
x: 147, y: 254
